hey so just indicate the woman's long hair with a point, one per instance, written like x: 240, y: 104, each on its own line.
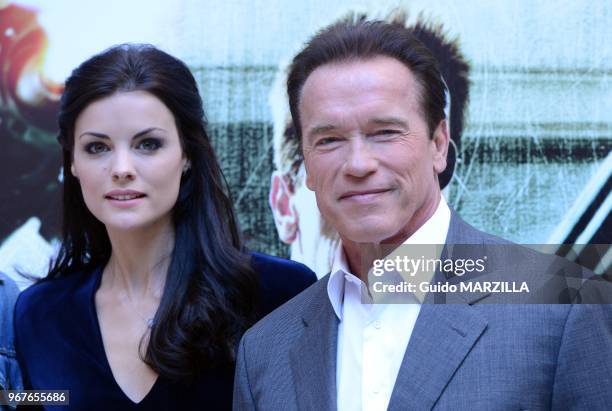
x: 210, y: 291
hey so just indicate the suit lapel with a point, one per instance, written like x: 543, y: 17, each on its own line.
x: 313, y: 357
x: 443, y: 336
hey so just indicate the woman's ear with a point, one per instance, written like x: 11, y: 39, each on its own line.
x: 186, y: 166
x: 73, y: 171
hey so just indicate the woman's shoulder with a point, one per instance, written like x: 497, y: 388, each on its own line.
x: 48, y: 295
x: 276, y: 268
x: 280, y: 279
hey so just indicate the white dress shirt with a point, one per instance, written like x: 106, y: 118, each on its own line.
x: 372, y: 338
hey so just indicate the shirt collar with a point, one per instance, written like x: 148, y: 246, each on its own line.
x: 433, y: 231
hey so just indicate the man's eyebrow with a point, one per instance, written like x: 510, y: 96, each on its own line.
x: 388, y: 121
x: 320, y: 129
x: 104, y: 136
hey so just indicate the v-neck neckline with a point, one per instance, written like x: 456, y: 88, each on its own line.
x: 100, y: 343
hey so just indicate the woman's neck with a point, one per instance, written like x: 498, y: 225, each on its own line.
x: 139, y: 261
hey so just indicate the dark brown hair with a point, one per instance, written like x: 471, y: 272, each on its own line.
x: 355, y: 38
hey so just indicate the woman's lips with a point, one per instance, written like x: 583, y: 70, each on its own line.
x: 124, y: 198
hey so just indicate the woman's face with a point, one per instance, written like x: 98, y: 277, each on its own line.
x: 128, y: 160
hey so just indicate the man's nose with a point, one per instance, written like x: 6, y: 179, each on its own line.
x: 122, y: 166
x: 360, y: 161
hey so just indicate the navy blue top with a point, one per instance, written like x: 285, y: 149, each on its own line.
x: 59, y: 345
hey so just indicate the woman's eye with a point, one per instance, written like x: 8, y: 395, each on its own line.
x: 96, y: 148
x: 149, y: 144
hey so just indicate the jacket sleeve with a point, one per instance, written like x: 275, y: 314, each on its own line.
x: 584, y: 364
x: 10, y: 375
x: 243, y: 397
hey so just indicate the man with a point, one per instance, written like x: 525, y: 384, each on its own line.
x: 10, y: 376
x: 298, y: 222
x: 367, y: 101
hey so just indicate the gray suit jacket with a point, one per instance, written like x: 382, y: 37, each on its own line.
x: 469, y: 355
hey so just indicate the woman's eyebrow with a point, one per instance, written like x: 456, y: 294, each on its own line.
x: 93, y: 133
x: 139, y: 134
x: 145, y: 131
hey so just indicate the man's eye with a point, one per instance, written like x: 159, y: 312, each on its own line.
x: 96, y: 148
x: 327, y: 141
x: 149, y: 144
x: 386, y: 132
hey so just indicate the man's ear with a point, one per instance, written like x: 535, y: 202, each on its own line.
x: 439, y: 146
x: 309, y: 183
x: 285, y: 215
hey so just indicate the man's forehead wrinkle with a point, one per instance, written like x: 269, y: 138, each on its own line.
x: 342, y: 94
x: 358, y: 63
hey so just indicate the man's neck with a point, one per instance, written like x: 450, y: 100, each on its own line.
x: 360, y: 256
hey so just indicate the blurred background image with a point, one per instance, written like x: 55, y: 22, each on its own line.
x: 533, y: 164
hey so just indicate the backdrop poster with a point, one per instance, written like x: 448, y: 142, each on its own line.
x: 535, y: 146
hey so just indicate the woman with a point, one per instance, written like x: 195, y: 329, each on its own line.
x: 152, y: 289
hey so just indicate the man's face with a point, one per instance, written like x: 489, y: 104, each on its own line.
x: 367, y: 150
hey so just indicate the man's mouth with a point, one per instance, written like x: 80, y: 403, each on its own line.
x: 363, y: 194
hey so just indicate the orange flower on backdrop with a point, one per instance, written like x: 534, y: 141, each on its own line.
x: 24, y: 90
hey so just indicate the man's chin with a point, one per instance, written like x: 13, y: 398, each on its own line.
x: 365, y: 233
